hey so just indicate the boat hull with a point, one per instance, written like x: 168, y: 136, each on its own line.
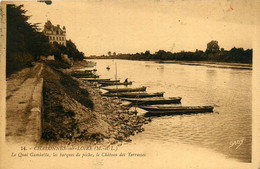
x: 94, y: 79
x: 125, y: 89
x: 98, y: 80
x: 108, y: 83
x: 85, y: 76
x: 178, y: 110
x: 152, y: 101
x: 134, y: 95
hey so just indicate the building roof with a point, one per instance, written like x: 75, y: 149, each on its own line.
x: 50, y: 27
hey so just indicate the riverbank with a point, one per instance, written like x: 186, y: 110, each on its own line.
x: 232, y: 65
x: 234, y: 55
x: 75, y: 112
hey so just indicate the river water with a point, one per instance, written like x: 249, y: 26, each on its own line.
x: 226, y: 131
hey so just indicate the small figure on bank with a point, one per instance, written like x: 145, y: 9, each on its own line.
x: 126, y: 80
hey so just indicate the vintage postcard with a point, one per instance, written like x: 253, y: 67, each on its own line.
x: 126, y: 84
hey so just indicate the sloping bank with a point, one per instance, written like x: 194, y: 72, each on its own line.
x: 74, y: 111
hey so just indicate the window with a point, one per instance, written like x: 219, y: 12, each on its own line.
x: 62, y: 38
x: 50, y: 37
x: 57, y: 38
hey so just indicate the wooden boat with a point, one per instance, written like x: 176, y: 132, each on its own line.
x: 173, y: 110
x: 98, y: 80
x: 111, y: 81
x: 134, y: 94
x: 107, y: 83
x: 94, y: 79
x: 87, y: 69
x: 92, y: 70
x: 153, y: 100
x: 125, y: 89
x: 86, y: 76
x: 81, y: 73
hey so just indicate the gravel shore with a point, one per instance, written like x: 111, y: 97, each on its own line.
x: 95, y: 119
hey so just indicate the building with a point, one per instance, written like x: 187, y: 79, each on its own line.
x: 55, y: 33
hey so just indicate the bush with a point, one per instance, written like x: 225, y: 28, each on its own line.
x: 58, y: 64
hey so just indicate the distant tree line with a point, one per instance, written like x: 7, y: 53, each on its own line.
x: 212, y: 53
x: 25, y: 43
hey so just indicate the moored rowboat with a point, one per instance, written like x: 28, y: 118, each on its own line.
x: 153, y: 100
x: 87, y: 71
x: 86, y: 76
x: 98, y: 80
x: 93, y: 79
x: 125, y: 89
x: 80, y: 73
x: 169, y: 110
x: 134, y: 94
x: 107, y: 83
x: 112, y: 81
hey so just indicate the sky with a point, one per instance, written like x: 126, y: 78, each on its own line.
x: 131, y: 26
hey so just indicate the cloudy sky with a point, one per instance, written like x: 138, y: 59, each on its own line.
x: 129, y: 26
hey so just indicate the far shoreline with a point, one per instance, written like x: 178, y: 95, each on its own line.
x: 232, y: 65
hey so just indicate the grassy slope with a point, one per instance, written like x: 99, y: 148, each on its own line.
x: 67, y: 111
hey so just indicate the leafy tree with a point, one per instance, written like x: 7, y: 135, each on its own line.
x: 160, y: 54
x: 56, y: 51
x: 109, y: 53
x: 147, y: 53
x: 73, y: 52
x: 24, y: 43
x: 212, y: 47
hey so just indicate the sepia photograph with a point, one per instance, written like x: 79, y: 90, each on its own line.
x: 128, y: 84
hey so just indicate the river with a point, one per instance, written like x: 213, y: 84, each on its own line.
x: 226, y: 131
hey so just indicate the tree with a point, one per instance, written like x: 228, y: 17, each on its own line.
x: 56, y: 51
x: 160, y: 54
x: 24, y: 43
x: 109, y: 53
x: 73, y: 52
x: 147, y: 53
x: 212, y: 47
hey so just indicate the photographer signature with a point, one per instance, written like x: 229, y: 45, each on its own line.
x: 236, y: 143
